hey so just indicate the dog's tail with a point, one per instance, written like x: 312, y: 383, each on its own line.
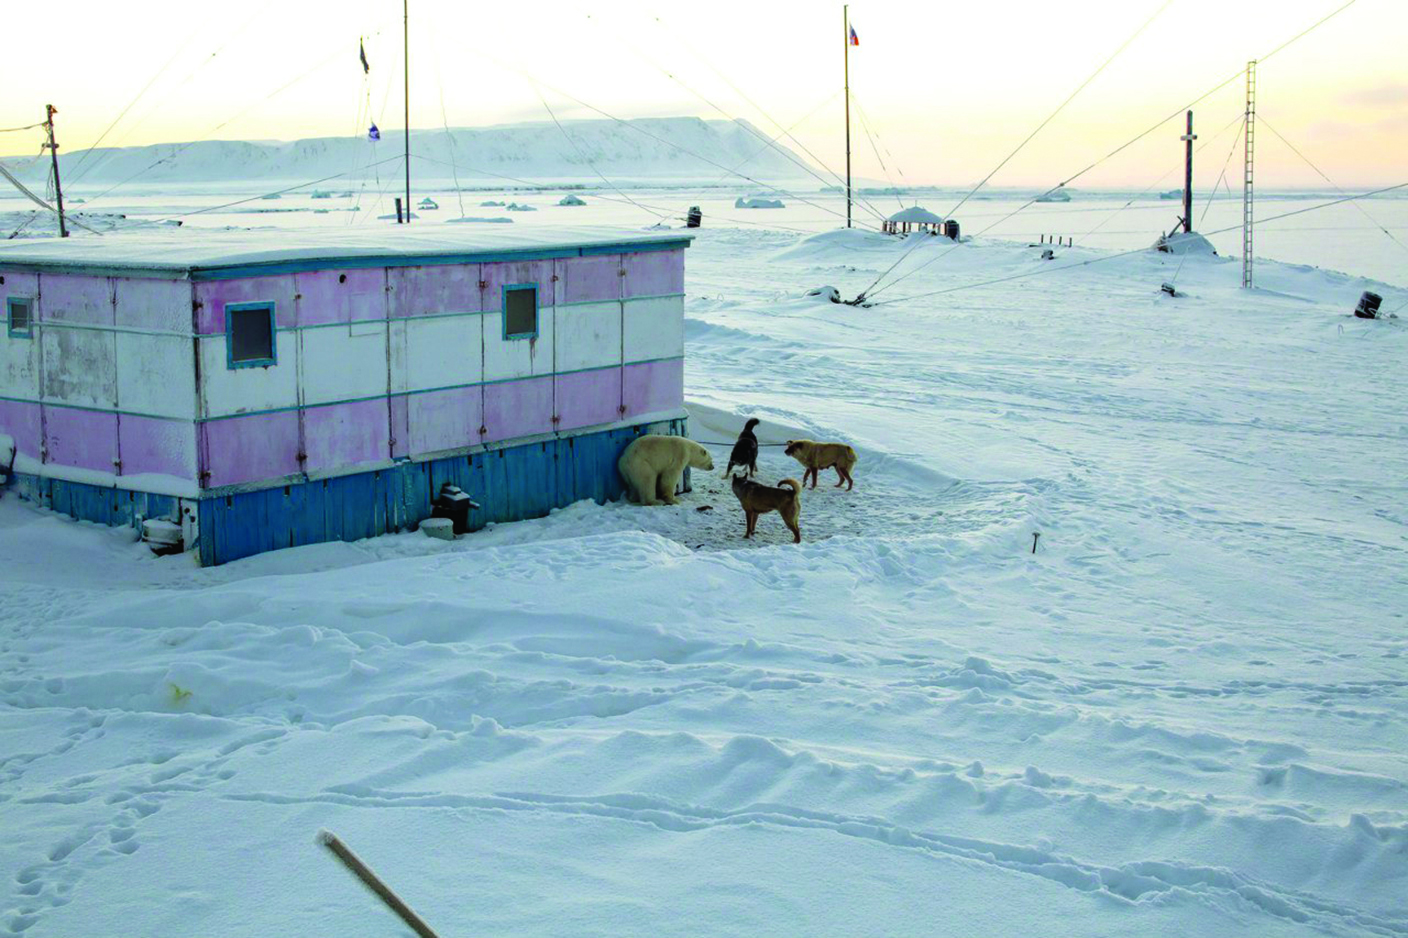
x: 796, y: 486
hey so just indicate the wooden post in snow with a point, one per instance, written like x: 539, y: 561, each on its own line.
x: 53, y: 148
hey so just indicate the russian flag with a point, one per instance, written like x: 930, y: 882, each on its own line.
x: 855, y: 40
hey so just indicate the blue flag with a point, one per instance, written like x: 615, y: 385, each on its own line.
x: 374, y: 134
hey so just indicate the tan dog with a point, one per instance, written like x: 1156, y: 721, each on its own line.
x: 818, y: 456
x: 759, y: 499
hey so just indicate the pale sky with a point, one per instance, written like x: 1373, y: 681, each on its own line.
x: 950, y: 87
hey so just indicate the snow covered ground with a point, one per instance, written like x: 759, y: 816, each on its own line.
x: 1185, y: 714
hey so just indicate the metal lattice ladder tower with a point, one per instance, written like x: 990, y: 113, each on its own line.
x: 1249, y: 151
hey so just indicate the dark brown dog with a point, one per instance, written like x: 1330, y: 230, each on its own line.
x: 818, y: 456
x: 759, y: 499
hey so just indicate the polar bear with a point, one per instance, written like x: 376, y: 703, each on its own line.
x: 652, y: 466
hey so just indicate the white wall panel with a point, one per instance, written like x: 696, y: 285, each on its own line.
x: 517, y: 358
x: 442, y: 352
x: 241, y: 390
x: 156, y: 374
x: 341, y: 363
x: 19, y: 364
x: 588, y: 336
x: 654, y: 328
x: 80, y: 366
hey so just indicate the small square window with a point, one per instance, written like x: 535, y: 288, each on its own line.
x: 249, y: 331
x: 20, y: 312
x: 521, y: 311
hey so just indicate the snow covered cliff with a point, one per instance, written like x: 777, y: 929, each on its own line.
x: 655, y: 149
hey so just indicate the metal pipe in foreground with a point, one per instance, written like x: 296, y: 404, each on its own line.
x: 374, y: 883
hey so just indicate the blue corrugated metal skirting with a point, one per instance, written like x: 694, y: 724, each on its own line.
x: 113, y: 507
x: 510, y: 484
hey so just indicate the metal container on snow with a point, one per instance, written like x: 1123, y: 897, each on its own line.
x: 1368, y: 307
x: 454, y: 504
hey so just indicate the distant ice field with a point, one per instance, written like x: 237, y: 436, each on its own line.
x: 1341, y: 237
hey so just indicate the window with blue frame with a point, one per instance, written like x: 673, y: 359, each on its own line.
x: 249, y: 335
x: 19, y: 314
x: 521, y: 311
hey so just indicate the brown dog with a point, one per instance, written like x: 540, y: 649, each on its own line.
x: 818, y: 456
x: 759, y: 499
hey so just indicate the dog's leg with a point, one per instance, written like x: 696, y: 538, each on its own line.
x: 840, y: 476
x: 850, y: 483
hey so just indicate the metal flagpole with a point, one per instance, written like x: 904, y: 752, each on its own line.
x: 846, y: 40
x: 1188, y: 138
x: 406, y: 55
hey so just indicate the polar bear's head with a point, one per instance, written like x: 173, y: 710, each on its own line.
x: 699, y: 457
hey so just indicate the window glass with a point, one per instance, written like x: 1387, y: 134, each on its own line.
x: 251, y: 335
x: 21, y: 311
x: 520, y: 312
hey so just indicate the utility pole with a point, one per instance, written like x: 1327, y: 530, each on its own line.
x: 1189, y: 137
x: 406, y: 56
x: 846, y: 40
x: 53, y: 149
x: 1248, y: 151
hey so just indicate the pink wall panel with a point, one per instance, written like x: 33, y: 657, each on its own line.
x: 496, y: 276
x: 441, y: 420
x: 75, y: 298
x: 333, y: 296
x: 341, y: 436
x: 83, y: 439
x: 517, y: 408
x: 587, y: 398
x: 20, y: 420
x: 250, y: 449
x: 17, y: 284
x: 654, y: 386
x: 153, y: 304
x: 436, y: 289
x: 652, y: 273
x: 590, y: 279
x: 213, y: 295
x: 167, y: 447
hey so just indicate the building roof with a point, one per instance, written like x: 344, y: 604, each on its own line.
x: 916, y: 214
x: 192, y: 253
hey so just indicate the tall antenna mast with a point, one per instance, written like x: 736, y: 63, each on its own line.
x: 53, y: 148
x: 1249, y: 151
x: 1189, y: 137
x: 846, y: 40
x: 406, y: 57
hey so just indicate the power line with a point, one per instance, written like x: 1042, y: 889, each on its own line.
x: 1052, y: 116
x: 1109, y: 257
x: 1362, y: 209
x: 1300, y: 35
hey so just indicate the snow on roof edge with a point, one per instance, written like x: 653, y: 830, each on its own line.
x: 190, y: 250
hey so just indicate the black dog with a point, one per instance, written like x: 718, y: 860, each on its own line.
x: 745, y: 451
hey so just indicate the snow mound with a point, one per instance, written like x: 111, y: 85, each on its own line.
x: 916, y: 214
x: 485, y: 220
x: 757, y: 202
x: 1185, y: 242
x: 517, y: 207
x: 570, y: 199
